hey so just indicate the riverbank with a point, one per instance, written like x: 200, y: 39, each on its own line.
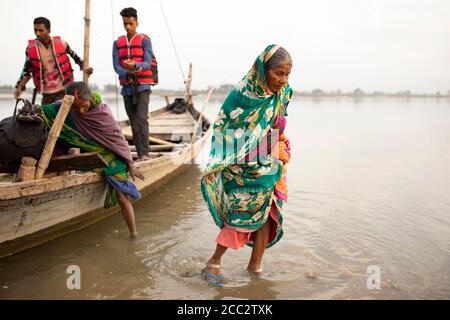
x: 223, y: 95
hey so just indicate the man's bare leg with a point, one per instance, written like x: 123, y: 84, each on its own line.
x: 127, y: 212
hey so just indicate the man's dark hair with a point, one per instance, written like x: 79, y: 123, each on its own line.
x: 129, y: 12
x: 42, y: 20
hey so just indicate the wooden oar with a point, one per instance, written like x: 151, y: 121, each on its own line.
x: 53, y: 136
x: 160, y: 147
x: 129, y: 136
x: 160, y: 141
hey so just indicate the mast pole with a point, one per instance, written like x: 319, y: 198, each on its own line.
x: 189, y: 86
x: 87, y: 25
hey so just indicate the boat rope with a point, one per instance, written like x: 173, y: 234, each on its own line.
x: 172, y: 41
x: 115, y: 76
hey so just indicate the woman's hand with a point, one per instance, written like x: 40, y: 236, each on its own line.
x: 134, y: 172
x: 282, y: 149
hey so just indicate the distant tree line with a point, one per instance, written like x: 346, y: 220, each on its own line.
x: 226, y: 88
x: 358, y: 92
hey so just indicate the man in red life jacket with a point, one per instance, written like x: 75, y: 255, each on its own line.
x: 136, y: 66
x: 47, y: 62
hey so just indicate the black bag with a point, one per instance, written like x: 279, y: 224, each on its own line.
x: 22, y: 135
x: 178, y: 106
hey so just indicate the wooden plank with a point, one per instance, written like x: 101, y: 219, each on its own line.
x: 160, y: 141
x: 6, y: 177
x: 53, y: 136
x: 71, y: 151
x: 170, y: 115
x: 175, y: 119
x: 168, y: 124
x: 151, y: 154
x: 172, y: 137
x: 29, y: 188
x: 176, y: 95
x: 27, y: 169
x: 157, y: 148
x: 177, y: 130
x: 83, y: 161
x: 127, y: 133
x: 171, y: 122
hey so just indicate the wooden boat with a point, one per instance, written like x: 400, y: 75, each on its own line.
x: 63, y: 200
x: 36, y: 211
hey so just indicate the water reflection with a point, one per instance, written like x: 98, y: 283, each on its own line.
x: 259, y: 289
x: 368, y: 185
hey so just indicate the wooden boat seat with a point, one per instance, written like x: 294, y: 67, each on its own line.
x: 82, y: 162
x: 168, y: 126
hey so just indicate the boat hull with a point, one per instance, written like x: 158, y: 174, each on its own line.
x: 35, y: 212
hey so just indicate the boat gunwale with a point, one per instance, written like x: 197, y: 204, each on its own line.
x: 16, y: 190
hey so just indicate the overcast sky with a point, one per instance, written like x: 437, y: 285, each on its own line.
x: 375, y: 45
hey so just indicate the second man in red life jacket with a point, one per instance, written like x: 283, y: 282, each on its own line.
x: 47, y: 62
x: 136, y: 66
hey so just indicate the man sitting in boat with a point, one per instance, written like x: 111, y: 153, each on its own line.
x: 91, y: 127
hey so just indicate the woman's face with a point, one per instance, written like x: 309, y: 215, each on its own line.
x: 278, y: 77
x: 82, y: 106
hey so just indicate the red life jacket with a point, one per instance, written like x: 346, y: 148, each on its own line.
x: 61, y: 58
x: 135, y: 51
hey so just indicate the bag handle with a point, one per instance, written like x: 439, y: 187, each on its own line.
x: 33, y: 100
x: 13, y: 124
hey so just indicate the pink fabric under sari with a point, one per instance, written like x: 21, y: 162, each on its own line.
x: 233, y: 239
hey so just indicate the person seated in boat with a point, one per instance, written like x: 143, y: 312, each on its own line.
x: 91, y: 127
x: 47, y: 62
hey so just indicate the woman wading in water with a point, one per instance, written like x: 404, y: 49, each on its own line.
x: 244, y: 184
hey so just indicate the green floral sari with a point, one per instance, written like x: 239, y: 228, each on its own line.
x: 238, y: 187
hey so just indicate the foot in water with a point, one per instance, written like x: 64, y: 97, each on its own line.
x: 213, y: 273
x: 255, y: 270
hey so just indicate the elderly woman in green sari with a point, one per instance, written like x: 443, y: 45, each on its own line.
x: 244, y: 183
x: 91, y: 127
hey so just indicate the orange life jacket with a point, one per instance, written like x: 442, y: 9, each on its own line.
x: 134, y: 50
x: 61, y: 58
